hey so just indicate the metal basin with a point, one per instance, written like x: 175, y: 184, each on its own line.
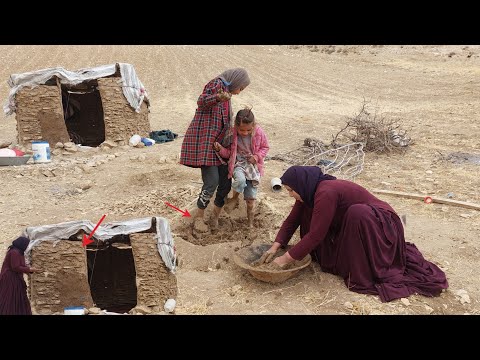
x: 14, y: 160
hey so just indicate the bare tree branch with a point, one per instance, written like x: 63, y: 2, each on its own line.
x: 379, y: 133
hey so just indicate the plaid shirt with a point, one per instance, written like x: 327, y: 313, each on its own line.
x: 210, y: 124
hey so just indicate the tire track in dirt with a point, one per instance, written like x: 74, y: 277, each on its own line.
x: 307, y: 82
x: 204, y: 64
x: 258, y: 94
x: 334, y: 83
x: 269, y: 80
x: 265, y: 101
x: 275, y: 109
x: 167, y: 64
x: 180, y: 90
x: 336, y: 87
x: 290, y: 94
x: 300, y: 80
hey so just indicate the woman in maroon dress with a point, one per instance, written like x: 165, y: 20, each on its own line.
x: 351, y: 233
x: 13, y: 289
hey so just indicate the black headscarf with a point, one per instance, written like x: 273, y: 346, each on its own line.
x: 304, y: 180
x: 20, y: 244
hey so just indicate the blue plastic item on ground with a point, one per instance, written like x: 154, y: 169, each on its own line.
x: 147, y: 142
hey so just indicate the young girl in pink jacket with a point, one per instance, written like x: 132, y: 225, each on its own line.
x: 246, y: 156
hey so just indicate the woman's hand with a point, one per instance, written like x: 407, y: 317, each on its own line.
x: 267, y: 256
x: 217, y: 146
x: 284, y: 260
x: 35, y: 270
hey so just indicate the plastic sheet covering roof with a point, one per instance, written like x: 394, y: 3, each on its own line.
x: 133, y: 89
x: 65, y: 230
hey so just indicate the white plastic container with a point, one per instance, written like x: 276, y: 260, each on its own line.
x: 74, y: 310
x: 170, y: 305
x: 276, y: 184
x: 41, y: 152
x: 134, y: 140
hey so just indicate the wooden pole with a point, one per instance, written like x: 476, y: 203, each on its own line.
x: 435, y: 199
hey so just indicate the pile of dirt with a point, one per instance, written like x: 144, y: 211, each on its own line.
x: 232, y: 227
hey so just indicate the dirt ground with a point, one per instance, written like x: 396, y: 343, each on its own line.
x: 296, y: 92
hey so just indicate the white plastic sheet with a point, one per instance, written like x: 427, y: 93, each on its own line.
x: 132, y: 87
x: 63, y: 231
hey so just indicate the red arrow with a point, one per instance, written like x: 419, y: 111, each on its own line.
x: 88, y: 239
x: 185, y: 213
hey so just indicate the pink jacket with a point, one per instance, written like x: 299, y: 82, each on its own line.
x: 259, y: 149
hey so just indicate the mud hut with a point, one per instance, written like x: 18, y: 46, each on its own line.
x: 87, y: 106
x: 129, y: 265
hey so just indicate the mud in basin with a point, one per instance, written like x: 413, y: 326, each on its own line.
x: 246, y: 256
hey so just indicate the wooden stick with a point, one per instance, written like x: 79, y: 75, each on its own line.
x: 434, y: 198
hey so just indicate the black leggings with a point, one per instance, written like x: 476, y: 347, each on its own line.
x: 214, y: 178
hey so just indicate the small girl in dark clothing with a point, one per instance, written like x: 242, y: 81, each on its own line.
x: 13, y: 289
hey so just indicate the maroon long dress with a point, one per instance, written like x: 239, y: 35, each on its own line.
x: 13, y: 289
x: 353, y: 234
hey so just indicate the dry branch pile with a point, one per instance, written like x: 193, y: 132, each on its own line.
x: 377, y: 132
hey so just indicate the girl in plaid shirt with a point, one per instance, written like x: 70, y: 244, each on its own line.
x: 212, y: 123
x: 245, y: 165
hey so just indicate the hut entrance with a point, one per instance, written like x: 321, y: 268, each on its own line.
x: 112, y: 275
x: 83, y: 113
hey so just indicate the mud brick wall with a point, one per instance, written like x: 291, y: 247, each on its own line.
x: 121, y: 120
x: 39, y: 115
x: 63, y: 282
x: 155, y: 282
